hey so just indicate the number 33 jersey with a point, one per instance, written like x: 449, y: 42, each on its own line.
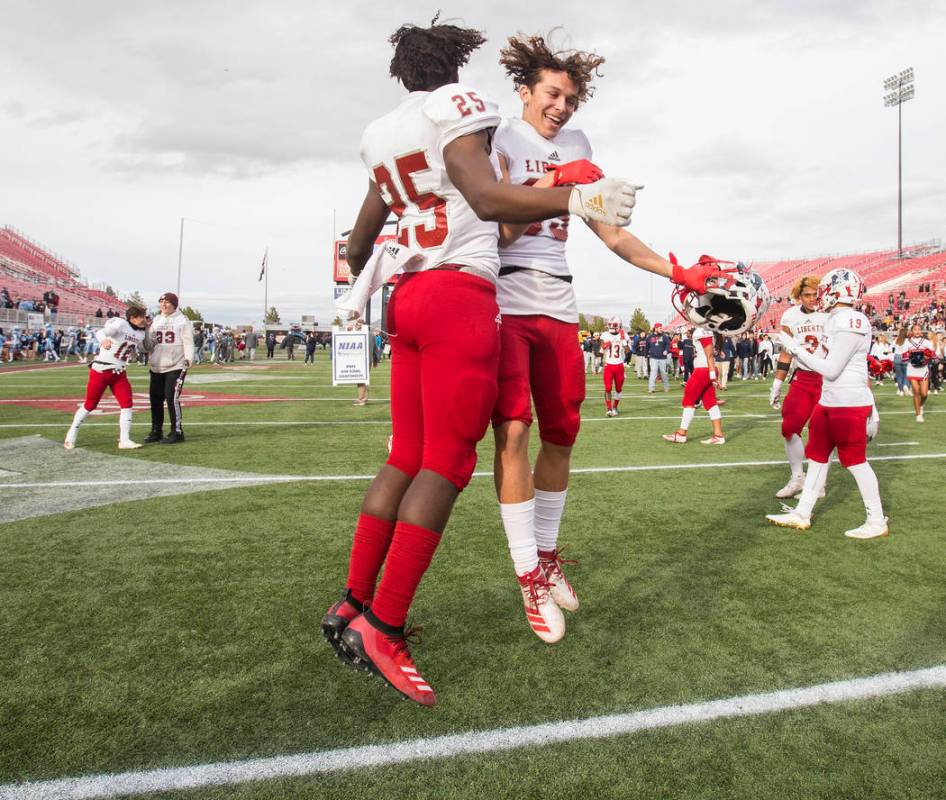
x: 126, y: 341
x: 806, y: 328
x: 403, y: 152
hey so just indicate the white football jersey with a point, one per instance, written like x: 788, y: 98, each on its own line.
x: 541, y: 249
x: 126, y: 341
x: 849, y: 389
x: 403, y: 152
x: 612, y: 347
x: 701, y: 336
x: 806, y: 327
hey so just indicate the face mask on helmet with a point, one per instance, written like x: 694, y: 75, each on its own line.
x: 731, y: 308
x: 614, y: 325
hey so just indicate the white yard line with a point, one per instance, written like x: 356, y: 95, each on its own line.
x: 498, y: 740
x: 262, y: 478
x: 898, y: 444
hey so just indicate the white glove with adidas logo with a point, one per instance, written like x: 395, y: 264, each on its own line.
x: 609, y: 200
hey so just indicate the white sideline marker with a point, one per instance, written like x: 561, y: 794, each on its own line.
x: 261, y: 478
x: 490, y: 741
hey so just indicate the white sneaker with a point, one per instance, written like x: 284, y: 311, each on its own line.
x: 676, y: 438
x: 919, y: 417
x: 544, y: 616
x: 790, y: 519
x: 714, y: 440
x: 559, y: 587
x: 128, y: 444
x: 790, y: 489
x: 869, y: 530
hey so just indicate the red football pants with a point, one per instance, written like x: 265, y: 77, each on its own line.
x: 804, y: 392
x: 699, y: 386
x: 842, y: 427
x: 541, y: 362
x: 444, y: 327
x: 613, y: 377
x: 100, y: 381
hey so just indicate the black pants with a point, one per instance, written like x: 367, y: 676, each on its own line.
x: 166, y: 387
x: 270, y: 349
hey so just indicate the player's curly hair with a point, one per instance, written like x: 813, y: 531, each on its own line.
x: 427, y: 58
x: 524, y: 58
x: 804, y: 282
x: 135, y: 311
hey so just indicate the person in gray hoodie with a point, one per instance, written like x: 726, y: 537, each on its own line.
x: 170, y: 342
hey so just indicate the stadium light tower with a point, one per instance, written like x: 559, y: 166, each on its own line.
x: 900, y: 89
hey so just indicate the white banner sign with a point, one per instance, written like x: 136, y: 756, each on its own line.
x: 34, y: 321
x: 351, y: 357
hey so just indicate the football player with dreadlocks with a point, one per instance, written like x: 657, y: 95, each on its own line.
x: 540, y: 364
x: 429, y: 161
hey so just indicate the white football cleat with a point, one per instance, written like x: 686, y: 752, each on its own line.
x: 676, y: 438
x: 791, y: 489
x: 70, y: 443
x: 559, y: 587
x: 128, y: 444
x: 790, y: 519
x: 544, y: 616
x: 869, y: 530
x: 714, y: 440
x: 919, y: 417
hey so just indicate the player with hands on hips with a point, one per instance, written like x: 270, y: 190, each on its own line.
x: 846, y: 408
x: 119, y: 342
x: 804, y: 323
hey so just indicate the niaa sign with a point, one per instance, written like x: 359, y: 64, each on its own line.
x: 351, y: 357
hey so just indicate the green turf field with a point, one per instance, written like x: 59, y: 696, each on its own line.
x: 183, y: 629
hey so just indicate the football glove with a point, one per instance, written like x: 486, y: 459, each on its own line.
x: 775, y: 392
x: 787, y: 343
x: 696, y: 276
x: 873, y: 424
x: 572, y: 172
x: 609, y: 200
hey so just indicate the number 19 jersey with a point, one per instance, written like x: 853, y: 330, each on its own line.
x: 403, y: 152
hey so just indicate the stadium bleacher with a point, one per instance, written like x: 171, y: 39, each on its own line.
x: 28, y: 269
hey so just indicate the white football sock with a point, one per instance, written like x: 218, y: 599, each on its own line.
x: 687, y: 418
x: 519, y: 524
x: 78, y: 419
x: 549, y: 507
x: 869, y: 489
x: 795, y: 451
x: 714, y: 413
x: 814, y: 480
x: 124, y: 424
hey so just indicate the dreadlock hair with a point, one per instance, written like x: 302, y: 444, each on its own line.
x: 427, y: 58
x: 525, y: 58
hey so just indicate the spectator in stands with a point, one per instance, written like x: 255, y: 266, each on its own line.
x: 98, y: 313
x: 26, y: 305
x: 5, y: 300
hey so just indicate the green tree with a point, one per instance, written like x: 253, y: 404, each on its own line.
x: 337, y: 321
x: 191, y: 313
x: 639, y: 323
x: 272, y: 316
x: 582, y: 322
x: 136, y: 299
x: 597, y: 324
x: 109, y: 291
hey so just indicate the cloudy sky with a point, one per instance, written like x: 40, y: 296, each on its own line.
x: 757, y: 127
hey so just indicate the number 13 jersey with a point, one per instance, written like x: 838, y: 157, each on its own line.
x: 403, y: 152
x: 806, y: 328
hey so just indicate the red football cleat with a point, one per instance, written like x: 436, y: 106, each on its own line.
x: 335, y: 621
x: 385, y: 653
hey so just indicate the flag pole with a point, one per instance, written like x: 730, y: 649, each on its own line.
x: 265, y: 286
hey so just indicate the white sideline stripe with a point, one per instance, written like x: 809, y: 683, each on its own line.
x: 276, y: 423
x: 228, y: 773
x: 897, y: 444
x: 259, y: 479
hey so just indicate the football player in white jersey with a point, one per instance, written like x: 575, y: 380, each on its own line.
x: 700, y: 388
x: 917, y: 353
x: 804, y: 323
x: 120, y: 341
x: 429, y: 161
x: 540, y: 364
x: 846, y: 409
x: 614, y: 346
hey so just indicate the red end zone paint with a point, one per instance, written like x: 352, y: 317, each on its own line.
x: 108, y: 404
